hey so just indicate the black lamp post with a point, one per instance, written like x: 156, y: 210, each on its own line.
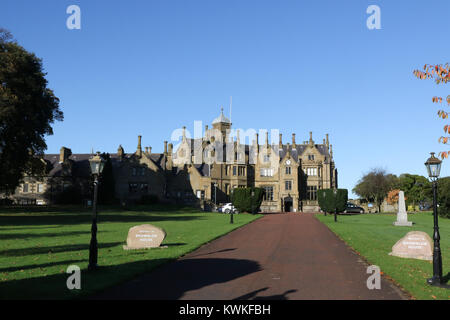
x: 433, y: 165
x: 215, y: 195
x: 253, y: 194
x: 97, y: 164
x: 335, y: 204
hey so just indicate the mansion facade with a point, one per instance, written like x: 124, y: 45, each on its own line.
x: 202, y: 171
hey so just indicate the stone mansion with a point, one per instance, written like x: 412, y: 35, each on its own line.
x: 202, y: 171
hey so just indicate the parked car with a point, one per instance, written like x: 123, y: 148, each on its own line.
x: 228, y: 208
x: 352, y: 208
x: 425, y: 206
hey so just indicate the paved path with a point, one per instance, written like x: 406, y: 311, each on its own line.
x: 280, y: 256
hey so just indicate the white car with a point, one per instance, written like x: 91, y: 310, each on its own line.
x: 228, y: 208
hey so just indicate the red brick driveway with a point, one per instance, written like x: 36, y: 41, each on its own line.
x: 280, y: 256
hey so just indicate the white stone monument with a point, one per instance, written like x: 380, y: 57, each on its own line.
x: 402, y: 215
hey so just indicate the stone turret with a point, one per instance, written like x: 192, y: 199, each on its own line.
x: 120, y: 152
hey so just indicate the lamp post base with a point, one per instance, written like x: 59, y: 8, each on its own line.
x: 437, y: 282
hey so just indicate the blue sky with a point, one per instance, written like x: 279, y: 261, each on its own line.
x: 150, y: 67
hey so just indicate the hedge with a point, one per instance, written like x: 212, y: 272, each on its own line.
x: 242, y: 199
x: 328, y: 201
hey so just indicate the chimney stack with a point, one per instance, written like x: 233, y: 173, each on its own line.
x: 165, y: 147
x: 64, y: 154
x: 311, y: 141
x: 281, y: 141
x: 294, y: 145
x: 139, y: 148
x: 327, y: 141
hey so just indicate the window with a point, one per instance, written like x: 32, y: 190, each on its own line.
x: 40, y: 188
x: 310, y: 157
x: 133, y: 171
x: 25, y: 187
x: 234, y: 170
x: 144, y: 187
x: 132, y: 187
x: 288, y: 185
x: 311, y: 193
x: 142, y: 171
x: 241, y: 171
x: 288, y: 170
x: 268, y: 193
x: 201, y: 194
x: 311, y: 171
x: 266, y: 158
x: 266, y: 172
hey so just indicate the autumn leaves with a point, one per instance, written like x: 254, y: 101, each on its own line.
x: 440, y: 74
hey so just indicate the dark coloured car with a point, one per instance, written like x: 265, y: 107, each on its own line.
x: 352, y: 208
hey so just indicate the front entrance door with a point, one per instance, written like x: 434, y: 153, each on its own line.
x: 288, y: 204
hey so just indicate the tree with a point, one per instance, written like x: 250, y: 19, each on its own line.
x: 27, y: 110
x: 443, y: 197
x: 375, y: 185
x: 417, y: 188
x: 441, y: 75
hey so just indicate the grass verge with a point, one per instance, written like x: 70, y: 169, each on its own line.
x: 37, y: 247
x: 373, y: 235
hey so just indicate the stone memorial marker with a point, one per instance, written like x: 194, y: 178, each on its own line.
x: 402, y: 215
x: 144, y: 236
x: 416, y: 245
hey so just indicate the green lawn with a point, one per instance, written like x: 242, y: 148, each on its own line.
x: 373, y: 235
x: 37, y: 247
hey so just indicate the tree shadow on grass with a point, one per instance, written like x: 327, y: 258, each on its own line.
x: 73, y: 219
x: 133, y: 280
x: 6, y: 236
x: 43, y: 265
x: 175, y: 279
x: 54, y: 249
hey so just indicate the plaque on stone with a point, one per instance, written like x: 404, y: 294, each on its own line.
x: 144, y: 236
x: 415, y: 245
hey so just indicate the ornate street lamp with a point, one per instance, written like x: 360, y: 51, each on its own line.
x: 253, y: 194
x: 433, y: 165
x: 97, y: 164
x: 215, y: 194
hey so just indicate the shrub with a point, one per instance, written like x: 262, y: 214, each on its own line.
x: 148, y: 199
x: 444, y: 197
x: 328, y: 201
x: 70, y: 195
x: 243, y: 200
